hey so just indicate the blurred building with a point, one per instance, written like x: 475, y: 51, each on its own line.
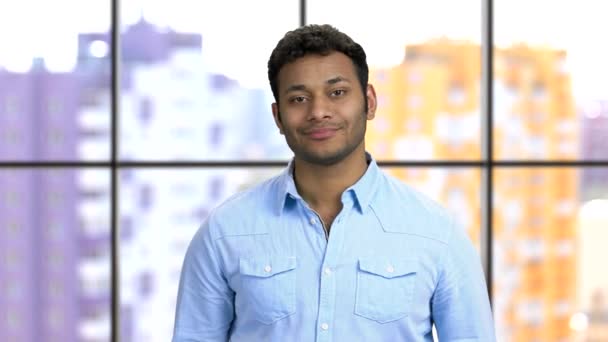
x: 536, y: 227
x: 594, y: 142
x: 54, y: 256
x: 535, y: 112
x: 174, y: 108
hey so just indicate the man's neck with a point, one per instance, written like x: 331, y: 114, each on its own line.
x: 322, y: 186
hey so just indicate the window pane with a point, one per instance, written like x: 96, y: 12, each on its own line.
x: 161, y: 209
x: 195, y: 85
x: 550, y: 233
x: 551, y: 80
x: 54, y: 255
x: 54, y: 80
x: 425, y: 63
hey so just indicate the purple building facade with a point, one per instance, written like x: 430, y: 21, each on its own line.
x: 41, y: 244
x: 16, y: 116
x: 17, y: 257
x: 594, y: 146
x: 44, y: 244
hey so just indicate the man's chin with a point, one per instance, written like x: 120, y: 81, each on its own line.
x: 322, y: 159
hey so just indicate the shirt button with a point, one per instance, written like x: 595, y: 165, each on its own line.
x: 390, y: 269
x: 324, y: 326
x: 327, y: 271
x: 267, y: 269
x: 313, y: 221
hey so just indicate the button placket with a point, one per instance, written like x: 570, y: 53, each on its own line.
x: 315, y: 220
x: 328, y: 279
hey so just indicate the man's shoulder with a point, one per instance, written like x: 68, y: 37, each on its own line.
x: 241, y: 213
x: 408, y: 210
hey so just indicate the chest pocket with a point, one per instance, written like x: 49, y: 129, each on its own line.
x: 385, y: 288
x: 268, y: 287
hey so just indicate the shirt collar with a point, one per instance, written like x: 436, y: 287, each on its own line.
x: 363, y: 190
x: 286, y: 188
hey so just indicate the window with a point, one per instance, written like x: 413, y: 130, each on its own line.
x: 118, y: 166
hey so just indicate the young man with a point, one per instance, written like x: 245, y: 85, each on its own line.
x: 332, y: 249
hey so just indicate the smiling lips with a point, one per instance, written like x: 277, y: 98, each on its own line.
x: 321, y: 133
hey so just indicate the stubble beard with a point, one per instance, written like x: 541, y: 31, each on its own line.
x: 331, y: 157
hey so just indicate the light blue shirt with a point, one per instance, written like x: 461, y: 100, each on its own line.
x: 261, y: 268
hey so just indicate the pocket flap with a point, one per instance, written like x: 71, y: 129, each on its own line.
x: 266, y: 267
x: 388, y: 268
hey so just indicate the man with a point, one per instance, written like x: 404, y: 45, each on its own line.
x: 332, y: 249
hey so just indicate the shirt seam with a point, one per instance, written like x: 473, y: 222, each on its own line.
x: 380, y: 220
x: 214, y: 250
x: 422, y: 236
x: 442, y: 261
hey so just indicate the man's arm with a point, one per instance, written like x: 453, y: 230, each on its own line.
x: 205, y: 306
x: 460, y: 306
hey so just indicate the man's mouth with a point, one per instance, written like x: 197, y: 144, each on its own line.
x: 321, y: 133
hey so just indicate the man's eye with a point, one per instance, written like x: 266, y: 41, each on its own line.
x: 298, y: 99
x: 338, y: 92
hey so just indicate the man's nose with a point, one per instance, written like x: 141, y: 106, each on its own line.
x: 320, y: 109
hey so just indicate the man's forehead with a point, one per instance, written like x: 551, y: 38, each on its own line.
x: 313, y: 58
x: 330, y: 69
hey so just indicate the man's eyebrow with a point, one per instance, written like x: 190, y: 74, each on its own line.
x: 301, y: 87
x: 337, y: 79
x: 295, y: 87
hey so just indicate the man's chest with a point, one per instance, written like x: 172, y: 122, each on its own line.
x: 360, y: 270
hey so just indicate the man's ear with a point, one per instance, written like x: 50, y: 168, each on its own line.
x: 372, y: 102
x: 277, y: 117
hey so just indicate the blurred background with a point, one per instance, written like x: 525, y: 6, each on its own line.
x: 194, y: 92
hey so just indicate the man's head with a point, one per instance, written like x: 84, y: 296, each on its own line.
x: 318, y: 40
x: 319, y: 79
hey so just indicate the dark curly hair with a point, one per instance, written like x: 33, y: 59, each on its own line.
x: 315, y: 39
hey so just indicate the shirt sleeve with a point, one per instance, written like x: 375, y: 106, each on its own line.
x: 460, y: 306
x: 205, y: 302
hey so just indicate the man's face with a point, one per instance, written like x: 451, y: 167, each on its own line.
x: 322, y: 110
